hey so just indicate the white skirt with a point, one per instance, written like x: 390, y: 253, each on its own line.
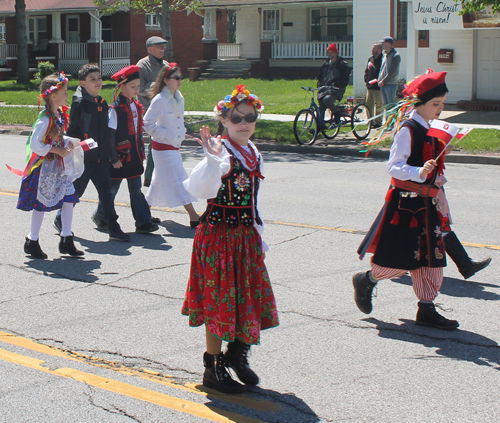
x: 166, y: 189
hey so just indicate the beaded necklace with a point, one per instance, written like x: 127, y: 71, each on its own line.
x: 249, y: 157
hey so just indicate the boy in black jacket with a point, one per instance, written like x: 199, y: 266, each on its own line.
x: 89, y: 119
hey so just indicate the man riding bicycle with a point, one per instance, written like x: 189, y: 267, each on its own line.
x: 333, y: 79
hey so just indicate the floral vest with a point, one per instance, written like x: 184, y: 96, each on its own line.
x: 236, y: 200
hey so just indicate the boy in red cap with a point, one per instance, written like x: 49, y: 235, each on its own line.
x: 333, y: 79
x: 125, y: 128
x: 407, y: 233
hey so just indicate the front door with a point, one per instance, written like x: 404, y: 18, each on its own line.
x: 271, y: 27
x: 488, y: 64
x: 73, y: 29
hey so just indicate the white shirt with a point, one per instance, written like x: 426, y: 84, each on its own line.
x: 113, y: 117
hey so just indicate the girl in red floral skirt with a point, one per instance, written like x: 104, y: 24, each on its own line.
x: 229, y: 288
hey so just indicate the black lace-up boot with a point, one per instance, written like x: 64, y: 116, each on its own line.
x: 363, y: 289
x: 466, y: 266
x: 236, y: 357
x: 216, y: 375
x: 67, y: 246
x: 33, y: 249
x: 428, y: 316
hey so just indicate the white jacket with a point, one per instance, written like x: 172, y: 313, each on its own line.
x: 164, y: 120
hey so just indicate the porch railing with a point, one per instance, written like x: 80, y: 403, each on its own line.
x: 312, y: 50
x: 8, y: 50
x: 116, y: 50
x: 228, y: 51
x: 73, y: 51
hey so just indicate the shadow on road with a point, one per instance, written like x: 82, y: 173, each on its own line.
x: 79, y: 270
x: 458, y: 345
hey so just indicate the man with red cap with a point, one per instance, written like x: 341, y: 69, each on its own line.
x: 407, y: 233
x: 125, y: 128
x: 333, y: 79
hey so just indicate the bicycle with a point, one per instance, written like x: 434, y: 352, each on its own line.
x: 309, y: 122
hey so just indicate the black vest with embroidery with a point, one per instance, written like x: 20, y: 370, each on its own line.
x: 236, y: 200
x: 129, y: 145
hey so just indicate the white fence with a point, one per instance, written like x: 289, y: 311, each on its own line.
x: 313, y: 50
x: 228, y: 51
x: 71, y: 51
x: 116, y: 50
x: 8, y: 50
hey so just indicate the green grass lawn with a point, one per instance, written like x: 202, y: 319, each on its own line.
x: 278, y: 96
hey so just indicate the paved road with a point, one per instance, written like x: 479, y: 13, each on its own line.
x: 102, y: 339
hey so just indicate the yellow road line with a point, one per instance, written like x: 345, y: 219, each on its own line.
x: 296, y: 225
x: 153, y: 397
x: 145, y: 374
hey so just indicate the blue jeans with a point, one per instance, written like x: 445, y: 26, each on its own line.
x: 99, y: 175
x: 389, y: 93
x: 138, y: 203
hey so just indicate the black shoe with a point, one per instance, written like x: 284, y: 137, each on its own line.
x: 466, y: 266
x: 236, y: 357
x: 147, y: 182
x: 33, y: 249
x: 155, y: 220
x: 67, y: 246
x: 101, y: 225
x: 363, y: 289
x: 428, y: 316
x: 336, y: 118
x: 194, y: 223
x: 147, y: 228
x: 57, y: 223
x: 119, y: 236
x: 216, y: 375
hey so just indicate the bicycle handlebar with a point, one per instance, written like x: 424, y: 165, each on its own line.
x: 316, y: 89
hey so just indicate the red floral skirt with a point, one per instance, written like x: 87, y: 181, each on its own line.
x: 229, y: 288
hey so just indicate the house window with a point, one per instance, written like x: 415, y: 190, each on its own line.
x: 152, y: 20
x: 316, y: 32
x: 37, y: 31
x: 399, y: 27
x: 106, y: 28
x: 73, y: 29
x: 2, y: 32
x: 337, y: 24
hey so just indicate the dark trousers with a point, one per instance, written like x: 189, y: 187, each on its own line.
x: 99, y: 175
x: 328, y: 102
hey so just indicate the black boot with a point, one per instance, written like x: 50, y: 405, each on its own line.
x: 216, y: 375
x: 363, y: 289
x: 67, y: 246
x: 466, y: 266
x: 428, y: 316
x: 236, y: 357
x: 33, y: 249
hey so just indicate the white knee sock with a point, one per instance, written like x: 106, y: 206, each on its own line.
x: 36, y: 224
x: 66, y: 218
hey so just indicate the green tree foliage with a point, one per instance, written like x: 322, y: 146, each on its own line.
x: 477, y: 5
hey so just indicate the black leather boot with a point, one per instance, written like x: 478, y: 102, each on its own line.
x: 33, y: 249
x: 67, y: 246
x: 216, y: 375
x: 466, y: 266
x: 236, y: 357
x: 428, y: 316
x: 363, y: 289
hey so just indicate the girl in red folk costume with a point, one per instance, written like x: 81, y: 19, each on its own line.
x: 127, y: 156
x: 407, y: 234
x: 229, y: 289
x: 47, y: 180
x: 164, y: 121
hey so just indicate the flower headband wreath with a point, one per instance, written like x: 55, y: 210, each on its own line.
x: 239, y: 94
x: 61, y: 81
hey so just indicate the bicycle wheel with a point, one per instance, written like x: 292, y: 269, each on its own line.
x: 360, y: 125
x: 331, y: 130
x: 305, y: 127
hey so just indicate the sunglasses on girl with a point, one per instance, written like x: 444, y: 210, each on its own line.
x: 177, y: 78
x: 246, y: 118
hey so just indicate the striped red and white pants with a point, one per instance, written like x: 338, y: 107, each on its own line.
x: 427, y: 281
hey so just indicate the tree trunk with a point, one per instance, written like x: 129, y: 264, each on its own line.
x: 166, y: 29
x: 23, y: 69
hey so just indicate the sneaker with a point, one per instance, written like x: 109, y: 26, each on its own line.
x: 363, y: 289
x: 155, y: 220
x: 147, y: 228
x: 101, y: 225
x: 428, y: 316
x: 119, y: 236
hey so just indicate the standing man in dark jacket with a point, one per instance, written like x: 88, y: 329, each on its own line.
x: 389, y: 71
x: 89, y: 119
x: 332, y: 81
x: 373, y: 95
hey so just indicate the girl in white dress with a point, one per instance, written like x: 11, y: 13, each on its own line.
x: 164, y: 122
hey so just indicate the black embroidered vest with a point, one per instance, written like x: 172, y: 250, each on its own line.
x: 237, y: 197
